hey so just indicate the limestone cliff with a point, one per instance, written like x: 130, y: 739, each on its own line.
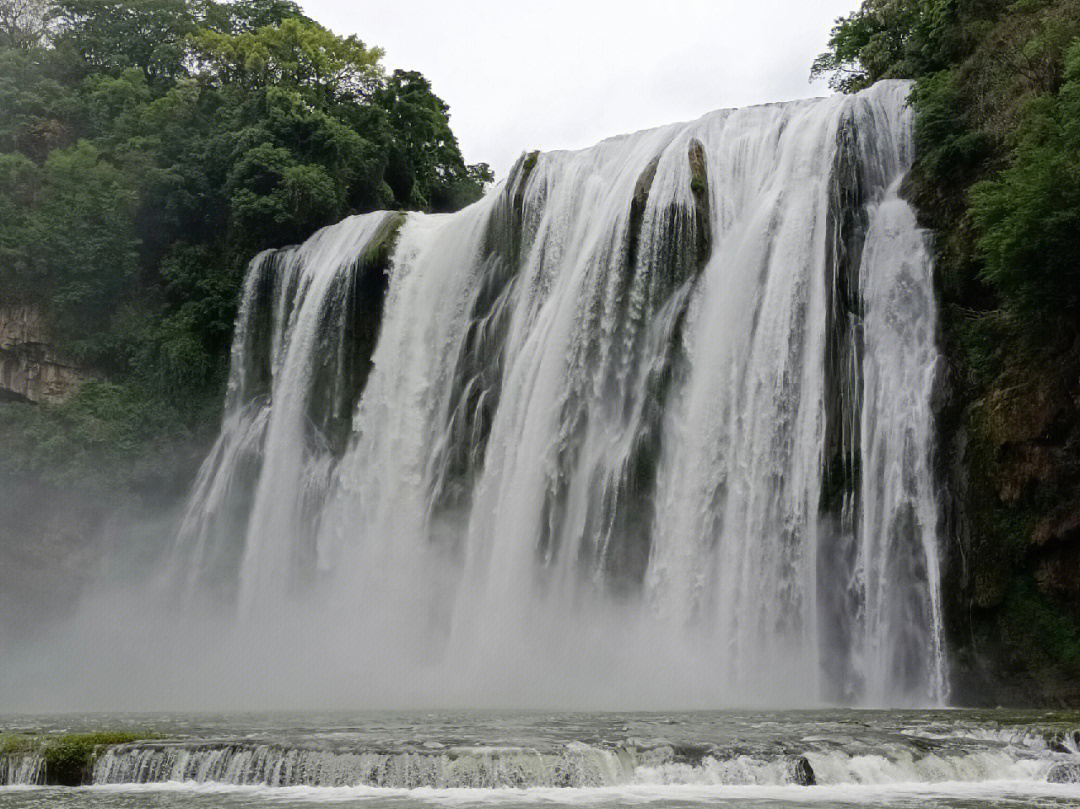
x: 31, y: 368
x: 1010, y: 451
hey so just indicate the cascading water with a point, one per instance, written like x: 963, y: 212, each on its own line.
x: 294, y: 378
x: 850, y: 760
x: 650, y: 423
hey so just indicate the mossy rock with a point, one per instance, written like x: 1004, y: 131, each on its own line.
x: 69, y: 758
x: 699, y: 187
x: 381, y: 247
x: 529, y: 163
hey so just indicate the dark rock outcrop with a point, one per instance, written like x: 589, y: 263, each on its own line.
x: 699, y: 187
x: 1065, y: 772
x: 800, y: 772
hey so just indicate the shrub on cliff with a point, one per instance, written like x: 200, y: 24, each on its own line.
x: 997, y: 176
x: 1028, y: 215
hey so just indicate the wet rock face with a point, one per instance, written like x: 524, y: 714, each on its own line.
x: 1025, y: 412
x: 1022, y: 420
x: 1061, y: 526
x: 800, y: 772
x: 31, y: 369
x: 1009, y: 457
x: 1058, y: 572
x: 1056, y: 539
x: 699, y: 187
x: 1025, y: 466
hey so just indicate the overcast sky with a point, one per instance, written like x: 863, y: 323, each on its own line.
x: 564, y: 74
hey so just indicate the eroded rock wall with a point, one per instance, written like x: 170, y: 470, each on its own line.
x: 1011, y: 455
x: 31, y: 368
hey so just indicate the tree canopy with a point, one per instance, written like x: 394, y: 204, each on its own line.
x: 998, y: 139
x: 149, y: 148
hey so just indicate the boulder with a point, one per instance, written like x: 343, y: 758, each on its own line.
x: 800, y: 772
x: 1065, y: 772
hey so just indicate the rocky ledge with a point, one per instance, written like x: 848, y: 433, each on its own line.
x: 31, y: 368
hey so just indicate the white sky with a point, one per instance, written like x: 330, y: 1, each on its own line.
x: 564, y: 74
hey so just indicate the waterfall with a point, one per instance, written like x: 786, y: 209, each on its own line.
x: 295, y: 372
x: 649, y: 423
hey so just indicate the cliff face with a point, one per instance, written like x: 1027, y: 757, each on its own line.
x: 31, y: 369
x: 51, y: 530
x: 1010, y: 461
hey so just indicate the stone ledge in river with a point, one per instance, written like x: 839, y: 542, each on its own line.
x: 1064, y: 773
x: 800, y: 772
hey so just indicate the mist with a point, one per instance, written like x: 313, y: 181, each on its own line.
x: 566, y: 470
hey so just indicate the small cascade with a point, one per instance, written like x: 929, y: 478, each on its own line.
x: 267, y: 765
x: 954, y: 757
x: 22, y: 769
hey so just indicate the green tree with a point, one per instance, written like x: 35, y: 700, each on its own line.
x: 150, y: 148
x: 112, y: 35
x: 295, y: 53
x: 869, y: 44
x: 425, y: 163
x: 23, y: 23
x: 236, y: 18
x: 1028, y: 216
x: 20, y: 188
x: 83, y: 234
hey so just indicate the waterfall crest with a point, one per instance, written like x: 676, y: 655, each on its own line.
x: 648, y: 424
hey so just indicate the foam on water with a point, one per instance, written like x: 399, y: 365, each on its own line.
x: 905, y: 753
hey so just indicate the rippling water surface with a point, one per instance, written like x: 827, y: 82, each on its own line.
x: 858, y: 758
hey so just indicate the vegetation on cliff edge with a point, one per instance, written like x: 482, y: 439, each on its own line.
x: 68, y: 757
x: 997, y: 177
x: 149, y: 149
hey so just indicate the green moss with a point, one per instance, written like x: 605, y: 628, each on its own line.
x: 982, y: 340
x: 68, y: 758
x: 382, y: 246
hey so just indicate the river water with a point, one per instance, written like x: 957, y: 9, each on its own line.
x: 858, y: 758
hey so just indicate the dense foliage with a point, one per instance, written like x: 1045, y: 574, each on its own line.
x: 997, y: 98
x: 149, y: 148
x: 69, y: 757
x: 997, y: 177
